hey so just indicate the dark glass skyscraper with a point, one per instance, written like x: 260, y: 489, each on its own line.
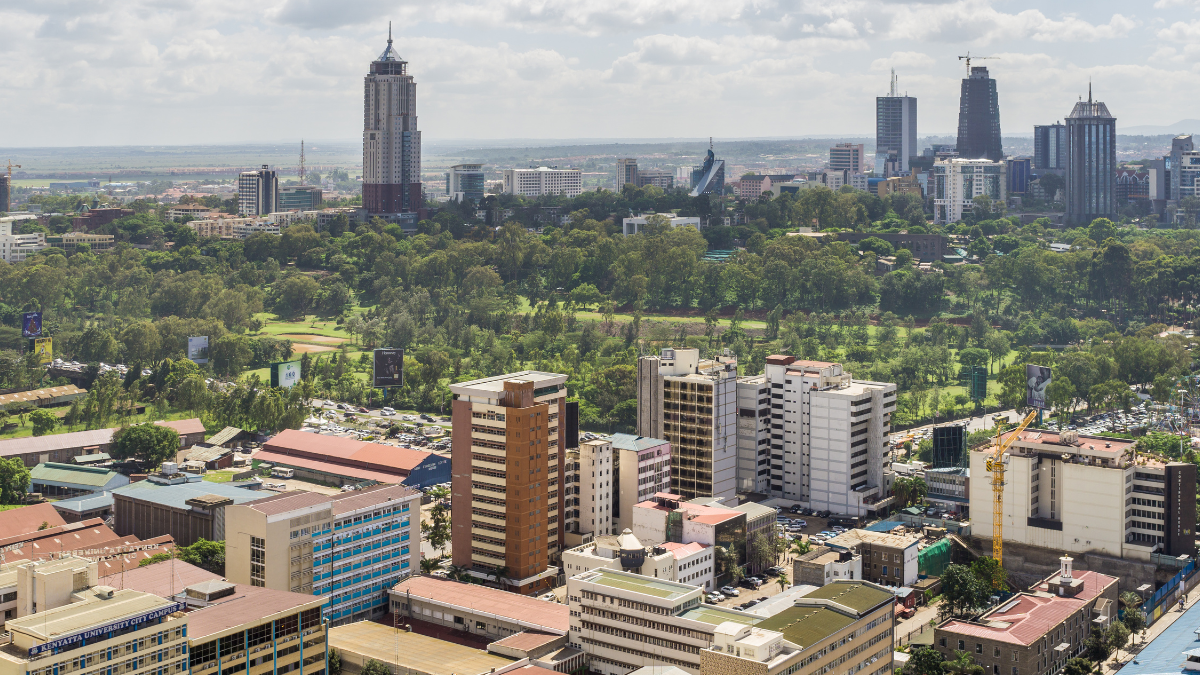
x: 979, y: 118
x: 1050, y: 146
x: 1091, y: 163
x: 391, y: 141
x: 895, y: 133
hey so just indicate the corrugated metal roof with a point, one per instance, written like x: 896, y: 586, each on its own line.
x: 175, y: 496
x: 224, y: 436
x: 85, y: 503
x: 199, y: 454
x: 631, y: 442
x: 72, y: 473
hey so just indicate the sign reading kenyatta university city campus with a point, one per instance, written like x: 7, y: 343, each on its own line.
x: 105, y: 629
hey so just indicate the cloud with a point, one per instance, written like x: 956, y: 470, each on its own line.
x: 1181, y: 32
x: 908, y: 60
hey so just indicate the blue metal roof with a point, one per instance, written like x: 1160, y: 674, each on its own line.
x: 175, y: 496
x: 884, y: 526
x: 90, y: 502
x: 1164, y: 654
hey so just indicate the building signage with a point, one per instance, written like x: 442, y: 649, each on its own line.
x: 1038, y: 381
x: 106, y: 629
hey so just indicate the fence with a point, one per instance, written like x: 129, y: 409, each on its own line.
x: 932, y: 561
x: 1166, y: 597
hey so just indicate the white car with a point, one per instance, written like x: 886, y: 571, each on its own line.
x: 730, y: 591
x: 387, y: 412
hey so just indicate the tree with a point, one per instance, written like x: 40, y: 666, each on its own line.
x: 973, y: 356
x: 296, y: 294
x: 1118, y: 637
x: 1078, y: 666
x: 43, y: 420
x: 1101, y: 229
x: 1097, y: 646
x: 923, y: 660
x: 782, y: 580
x: 990, y: 572
x: 1133, y: 618
x: 962, y: 664
x: 437, y: 529
x: 335, y: 658
x: 14, y: 481
x: 374, y: 667
x: 429, y: 565
x: 151, y: 444
x: 963, y: 592
x: 208, y: 555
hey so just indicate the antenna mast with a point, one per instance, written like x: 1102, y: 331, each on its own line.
x: 893, y: 91
x: 302, y: 161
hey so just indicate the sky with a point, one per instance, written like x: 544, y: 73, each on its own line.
x: 128, y: 72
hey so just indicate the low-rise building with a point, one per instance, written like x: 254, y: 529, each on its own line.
x: 760, y: 523
x: 411, y: 653
x: 53, y: 479
x: 72, y: 241
x: 543, y: 181
x: 635, y: 224
x: 889, y: 559
x: 823, y: 565
x: 351, y: 547
x: 487, y: 613
x: 348, y: 461
x: 63, y: 448
x: 182, y: 505
x: 692, y: 563
x: 667, y: 518
x: 1036, y: 631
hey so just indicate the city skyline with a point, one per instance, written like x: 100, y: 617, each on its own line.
x: 140, y: 75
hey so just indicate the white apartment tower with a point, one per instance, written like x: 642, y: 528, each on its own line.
x: 258, y: 192
x: 391, y: 141
x: 691, y: 403
x: 829, y: 436
x: 595, y: 486
x: 543, y: 181
x: 754, y: 434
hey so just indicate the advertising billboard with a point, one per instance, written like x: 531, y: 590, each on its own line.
x: 1038, y: 380
x: 31, y: 324
x: 285, y: 374
x: 43, y: 349
x: 198, y: 349
x: 388, y: 368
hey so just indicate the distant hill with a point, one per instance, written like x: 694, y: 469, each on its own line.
x: 1180, y: 127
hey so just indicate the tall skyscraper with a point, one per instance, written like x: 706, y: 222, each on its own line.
x: 979, y: 118
x: 847, y: 157
x: 691, y: 402
x: 709, y: 177
x: 627, y: 172
x: 1091, y: 162
x: 391, y: 142
x: 1050, y: 146
x: 1174, y: 164
x: 895, y: 132
x: 5, y: 193
x: 258, y: 192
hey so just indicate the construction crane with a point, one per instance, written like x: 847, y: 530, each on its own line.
x: 10, y: 168
x: 968, y: 58
x: 995, y: 464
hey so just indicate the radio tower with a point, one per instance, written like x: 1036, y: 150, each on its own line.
x: 302, y: 161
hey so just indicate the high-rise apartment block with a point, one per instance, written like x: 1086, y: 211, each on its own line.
x: 895, y: 133
x: 627, y: 172
x: 754, y: 434
x: 1069, y: 492
x: 543, y: 181
x: 258, y: 192
x: 1172, y: 164
x: 828, y: 436
x: 956, y: 183
x: 847, y: 157
x: 690, y: 402
x: 1091, y: 163
x: 979, y: 118
x: 641, y: 468
x: 391, y: 141
x: 1050, y: 147
x: 593, y: 485
x: 350, y: 547
x: 508, y: 460
x: 467, y: 179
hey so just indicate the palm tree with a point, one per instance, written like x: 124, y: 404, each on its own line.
x: 901, y: 488
x: 429, y: 565
x: 918, y: 489
x: 962, y: 664
x: 503, y: 577
x: 782, y: 581
x: 799, y: 548
x: 459, y: 573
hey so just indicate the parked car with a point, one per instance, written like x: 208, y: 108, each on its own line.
x: 801, y: 522
x: 750, y: 603
x: 730, y: 591
x: 387, y: 412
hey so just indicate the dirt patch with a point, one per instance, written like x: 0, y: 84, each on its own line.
x: 310, y: 349
x: 315, y: 338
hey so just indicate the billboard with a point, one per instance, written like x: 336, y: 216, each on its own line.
x: 43, y: 348
x: 1038, y: 380
x: 285, y: 374
x: 31, y: 324
x: 198, y: 349
x: 388, y: 368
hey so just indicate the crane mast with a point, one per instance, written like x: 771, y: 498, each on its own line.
x: 995, y: 464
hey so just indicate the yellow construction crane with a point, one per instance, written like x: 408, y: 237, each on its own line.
x: 995, y: 464
x: 10, y: 168
x: 968, y: 58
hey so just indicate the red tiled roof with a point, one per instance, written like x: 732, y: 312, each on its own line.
x: 513, y: 607
x: 1026, y: 618
x: 681, y: 551
x: 161, y: 579
x: 710, y: 515
x: 28, y: 519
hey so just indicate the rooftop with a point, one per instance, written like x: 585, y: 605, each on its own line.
x: 82, y: 439
x: 415, y: 652
x: 41, y: 394
x: 659, y: 588
x: 341, y: 450
x: 851, y: 538
x: 248, y: 604
x: 54, y: 472
x: 175, y: 496
x: 372, y: 496
x: 29, y: 519
x: 807, y: 625
x: 496, y: 384
x: 683, y: 550
x: 328, y: 467
x: 859, y: 596
x: 753, y: 510
x: 527, y: 640
x: 92, y: 611
x: 1101, y: 444
x: 163, y: 579
x: 1164, y: 654
x: 631, y: 442
x: 719, y: 615
x: 1026, y: 617
x: 549, y: 616
x: 224, y: 436
x: 199, y: 453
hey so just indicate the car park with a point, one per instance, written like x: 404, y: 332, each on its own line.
x: 730, y: 591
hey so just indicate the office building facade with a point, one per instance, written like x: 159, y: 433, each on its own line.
x: 641, y: 468
x: 1091, y: 163
x: 258, y: 192
x: 957, y: 182
x: 350, y: 547
x: 391, y: 140
x: 895, y: 134
x: 543, y: 181
x: 301, y: 198
x: 829, y: 436
x: 847, y: 157
x: 753, y: 434
x: 627, y: 172
x: 690, y: 402
x: 467, y: 179
x: 659, y: 178
x: 509, y: 442
x: 979, y: 118
x: 1180, y: 145
x: 709, y: 177
x: 5, y: 193
x: 1019, y: 173
x: 1050, y: 147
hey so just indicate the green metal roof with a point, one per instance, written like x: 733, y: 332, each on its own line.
x: 72, y: 473
x: 719, y: 615
x: 807, y: 626
x: 637, y: 583
x: 857, y: 595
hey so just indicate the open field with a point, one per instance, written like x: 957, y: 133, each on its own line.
x: 300, y: 348
x: 304, y: 337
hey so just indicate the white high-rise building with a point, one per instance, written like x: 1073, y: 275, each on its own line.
x: 543, y: 181
x: 258, y: 192
x: 391, y: 141
x: 691, y: 403
x: 828, y: 436
x: 957, y: 182
x: 753, y: 434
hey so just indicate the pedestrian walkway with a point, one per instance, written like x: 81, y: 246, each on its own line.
x: 1167, y: 639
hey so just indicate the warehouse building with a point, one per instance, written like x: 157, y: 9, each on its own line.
x: 182, y: 505
x: 346, y: 461
x: 63, y: 448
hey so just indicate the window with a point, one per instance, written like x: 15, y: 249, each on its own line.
x: 996, y: 652
x: 978, y: 648
x: 479, y: 625
x: 231, y: 644
x: 942, y: 642
x: 259, y: 634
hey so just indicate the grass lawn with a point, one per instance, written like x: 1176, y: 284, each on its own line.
x: 9, y: 507
x: 219, y: 476
x: 149, y: 416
